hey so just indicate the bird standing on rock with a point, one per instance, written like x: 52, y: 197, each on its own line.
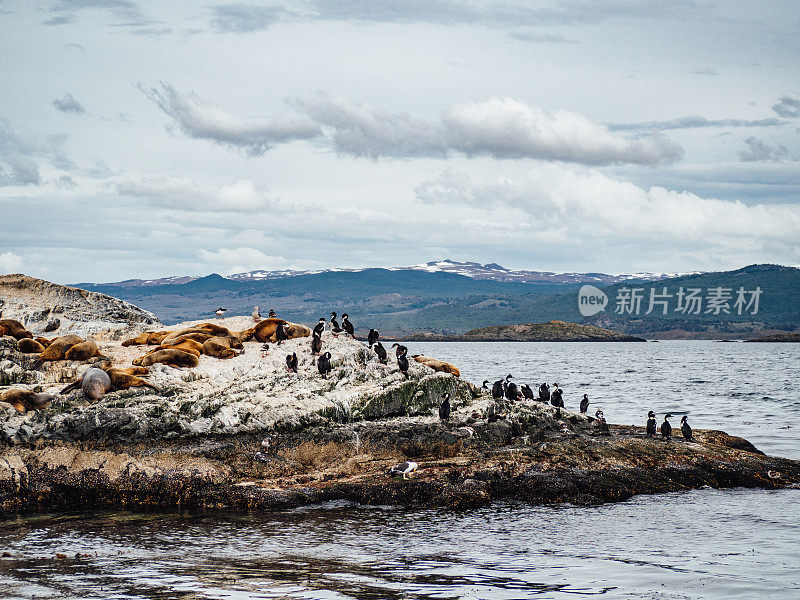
x: 666, y: 428
x: 444, y: 409
x: 403, y: 469
x: 256, y: 315
x: 348, y: 326
x: 324, y: 364
x: 527, y: 392
x: 316, y: 344
x: 686, y: 430
x: 272, y: 314
x: 319, y: 328
x: 381, y: 352
x: 651, y: 424
x: 402, y: 364
x: 335, y: 329
x: 511, y: 391
x: 372, y: 337
x: 544, y: 393
x: 555, y: 398
x: 281, y: 335
x: 601, y: 421
x: 498, y: 389
x: 291, y: 362
x: 584, y: 404
x: 220, y: 312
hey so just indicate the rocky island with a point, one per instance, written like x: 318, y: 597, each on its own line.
x: 245, y: 432
x: 552, y: 331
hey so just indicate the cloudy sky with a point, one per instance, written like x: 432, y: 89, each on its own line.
x: 147, y: 139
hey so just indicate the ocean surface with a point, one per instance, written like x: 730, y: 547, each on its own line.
x: 715, y: 544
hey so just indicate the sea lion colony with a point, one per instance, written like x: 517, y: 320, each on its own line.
x: 176, y: 348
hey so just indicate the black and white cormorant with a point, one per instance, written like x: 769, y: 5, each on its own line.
x: 686, y: 429
x: 316, y: 344
x: 498, y: 389
x: 372, y: 337
x: 291, y: 362
x: 281, y: 335
x: 484, y: 385
x: 511, y: 389
x: 399, y: 349
x: 381, y: 352
x: 527, y: 392
x: 555, y: 398
x: 348, y: 326
x: 272, y: 314
x: 444, y: 409
x: 584, y: 404
x: 402, y: 363
x: 324, y: 364
x: 403, y: 469
x: 601, y: 421
x: 651, y: 424
x: 544, y: 393
x: 319, y: 327
x: 335, y: 329
x: 666, y: 428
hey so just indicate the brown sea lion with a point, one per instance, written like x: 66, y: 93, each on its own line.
x: 95, y: 382
x: 169, y: 356
x: 151, y: 338
x: 223, y: 347
x: 43, y: 341
x: 106, y: 366
x: 264, y: 331
x: 245, y: 335
x: 83, y: 351
x: 29, y: 346
x: 122, y: 380
x: 188, y: 345
x: 15, y: 329
x: 24, y: 400
x: 437, y: 365
x: 197, y: 336
x: 59, y: 346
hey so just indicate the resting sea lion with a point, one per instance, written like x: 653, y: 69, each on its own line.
x: 122, y: 380
x: 437, y: 365
x: 59, y: 346
x: 107, y: 366
x: 43, y: 341
x: 94, y: 383
x: 178, y: 337
x: 245, y: 335
x: 14, y: 328
x: 265, y: 330
x: 83, y: 351
x: 152, y: 338
x: 29, y: 346
x: 212, y: 328
x: 168, y: 356
x: 222, y: 347
x: 188, y: 345
x: 24, y: 400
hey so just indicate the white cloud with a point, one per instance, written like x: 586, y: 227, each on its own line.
x: 11, y: 263
x: 184, y: 195
x: 202, y: 120
x: 238, y: 260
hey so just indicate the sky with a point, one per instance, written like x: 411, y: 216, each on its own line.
x: 150, y: 139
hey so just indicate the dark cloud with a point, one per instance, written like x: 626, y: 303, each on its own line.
x: 241, y: 18
x: 20, y: 170
x: 68, y: 104
x: 126, y: 12
x: 787, y: 107
x: 20, y: 155
x: 74, y: 46
x: 201, y: 120
x: 499, y: 128
x: 758, y: 150
x: 693, y: 122
x: 531, y: 37
x: 60, y: 20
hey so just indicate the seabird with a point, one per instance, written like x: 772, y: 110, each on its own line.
x: 220, y: 312
x: 291, y: 362
x: 324, y: 364
x: 316, y: 344
x: 403, y: 469
x: 527, y: 392
x: 601, y: 420
x: 402, y: 364
x: 372, y: 337
x: 381, y: 352
x: 651, y: 424
x: 335, y: 329
x: 272, y: 314
x: 484, y: 386
x: 281, y: 335
x: 256, y: 315
x: 399, y: 349
x: 584, y: 404
x: 319, y: 327
x: 348, y: 326
x: 264, y: 350
x: 511, y: 389
x: 686, y: 430
x: 498, y: 389
x: 544, y: 393
x: 444, y: 409
x: 555, y: 397
x: 666, y: 428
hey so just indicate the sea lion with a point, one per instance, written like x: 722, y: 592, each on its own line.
x: 197, y: 336
x: 59, y: 346
x: 43, y: 341
x: 265, y: 330
x: 25, y: 400
x: 212, y: 328
x: 188, y: 345
x: 121, y: 379
x: 222, y: 347
x: 169, y: 356
x: 95, y: 382
x: 437, y: 365
x: 245, y: 335
x: 83, y: 351
x: 15, y: 329
x: 29, y: 346
x: 151, y: 338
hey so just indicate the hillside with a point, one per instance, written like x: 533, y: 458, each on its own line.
x: 554, y: 331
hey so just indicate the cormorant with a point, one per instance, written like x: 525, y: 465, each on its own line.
x: 666, y: 428
x: 291, y: 362
x: 400, y: 349
x: 584, y: 404
x: 220, y: 312
x: 381, y: 352
x: 498, y: 389
x: 272, y: 314
x: 601, y: 421
x: 335, y: 329
x: 264, y: 350
x: 319, y: 327
x: 256, y: 315
x: 404, y: 468
x: 372, y: 337
x: 316, y: 344
x: 651, y: 424
x: 402, y: 364
x: 324, y: 364
x: 484, y: 386
x: 348, y: 326
x: 555, y: 398
x: 527, y: 392
x: 544, y: 393
x: 511, y: 389
x: 280, y: 334
x: 686, y: 430
x: 444, y: 409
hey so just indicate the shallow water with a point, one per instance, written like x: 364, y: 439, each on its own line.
x: 714, y: 544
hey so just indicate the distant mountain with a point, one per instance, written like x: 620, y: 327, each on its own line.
x: 491, y: 271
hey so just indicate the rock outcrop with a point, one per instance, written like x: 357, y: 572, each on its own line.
x: 553, y: 331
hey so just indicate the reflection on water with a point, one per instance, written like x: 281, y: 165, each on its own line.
x: 695, y: 545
